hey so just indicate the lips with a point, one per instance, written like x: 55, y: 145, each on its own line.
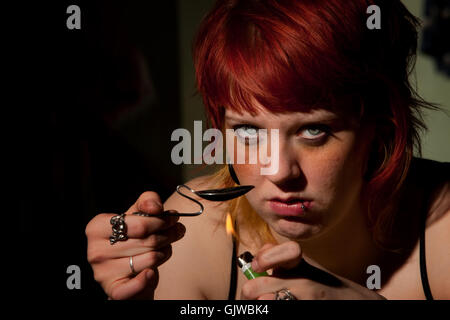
x: 291, y: 206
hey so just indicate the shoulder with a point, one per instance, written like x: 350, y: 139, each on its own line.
x: 200, y: 260
x: 436, y: 182
x: 437, y: 243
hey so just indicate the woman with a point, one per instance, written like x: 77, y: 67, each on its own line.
x: 348, y: 193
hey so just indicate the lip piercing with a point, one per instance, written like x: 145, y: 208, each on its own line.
x: 303, y: 207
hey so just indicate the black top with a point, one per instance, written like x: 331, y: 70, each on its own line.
x: 430, y: 175
x: 429, y: 169
x: 233, y: 276
x: 423, y: 264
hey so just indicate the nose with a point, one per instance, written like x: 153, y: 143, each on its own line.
x: 289, y: 169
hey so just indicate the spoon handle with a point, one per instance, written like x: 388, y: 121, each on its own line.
x: 212, y: 195
x: 168, y: 213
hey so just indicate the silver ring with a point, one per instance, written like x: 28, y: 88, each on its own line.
x: 133, y: 272
x: 119, y: 229
x: 284, y: 294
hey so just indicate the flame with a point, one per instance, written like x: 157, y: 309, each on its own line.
x: 229, y: 226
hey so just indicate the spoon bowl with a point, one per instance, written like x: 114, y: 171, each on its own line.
x: 223, y: 194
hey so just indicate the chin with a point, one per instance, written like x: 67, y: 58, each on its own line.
x: 294, y: 229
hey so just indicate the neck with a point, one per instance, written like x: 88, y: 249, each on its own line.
x: 347, y: 249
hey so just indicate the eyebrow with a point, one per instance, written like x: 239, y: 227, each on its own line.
x: 327, y: 117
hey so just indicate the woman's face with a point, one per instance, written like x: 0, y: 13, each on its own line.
x: 321, y: 161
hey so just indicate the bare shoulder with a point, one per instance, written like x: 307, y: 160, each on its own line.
x: 438, y: 242
x: 433, y: 178
x: 428, y: 193
x: 198, y: 268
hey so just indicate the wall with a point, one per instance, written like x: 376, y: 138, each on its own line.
x: 434, y: 87
x: 190, y: 14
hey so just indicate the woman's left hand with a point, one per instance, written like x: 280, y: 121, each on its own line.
x: 304, y: 281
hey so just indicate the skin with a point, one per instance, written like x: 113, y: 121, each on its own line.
x: 329, y: 172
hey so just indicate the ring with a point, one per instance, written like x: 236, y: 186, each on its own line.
x: 133, y: 272
x: 284, y: 294
x: 119, y: 229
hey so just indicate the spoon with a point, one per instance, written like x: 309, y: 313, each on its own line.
x: 211, y: 195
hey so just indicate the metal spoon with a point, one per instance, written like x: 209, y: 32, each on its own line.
x: 211, y: 195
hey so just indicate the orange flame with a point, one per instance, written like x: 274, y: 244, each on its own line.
x: 229, y: 226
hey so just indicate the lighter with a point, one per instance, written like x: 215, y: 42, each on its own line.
x: 244, y: 262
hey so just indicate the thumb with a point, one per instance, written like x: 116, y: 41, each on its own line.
x: 283, y: 256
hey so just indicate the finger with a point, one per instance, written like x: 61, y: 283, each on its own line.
x: 263, y: 249
x: 286, y: 255
x: 137, y: 227
x: 101, y: 250
x: 148, y: 202
x: 120, y: 268
x: 140, y: 227
x: 266, y: 247
x: 153, y: 242
x: 144, y: 282
x: 255, y: 288
x: 266, y: 287
x: 267, y: 296
x: 147, y: 260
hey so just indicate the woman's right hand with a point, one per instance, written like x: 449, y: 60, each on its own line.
x: 149, y: 243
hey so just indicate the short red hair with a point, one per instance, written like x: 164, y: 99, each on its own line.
x: 292, y: 55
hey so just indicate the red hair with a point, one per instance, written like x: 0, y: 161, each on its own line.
x: 292, y: 55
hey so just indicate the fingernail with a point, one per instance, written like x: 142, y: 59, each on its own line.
x: 149, y: 275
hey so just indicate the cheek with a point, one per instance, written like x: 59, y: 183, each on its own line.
x: 248, y: 174
x: 335, y: 171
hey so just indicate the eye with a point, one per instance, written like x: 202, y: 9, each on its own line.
x: 315, y: 132
x: 246, y: 132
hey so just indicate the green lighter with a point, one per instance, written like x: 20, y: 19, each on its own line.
x: 244, y: 262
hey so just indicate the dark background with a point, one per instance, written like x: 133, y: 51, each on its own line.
x: 92, y: 123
